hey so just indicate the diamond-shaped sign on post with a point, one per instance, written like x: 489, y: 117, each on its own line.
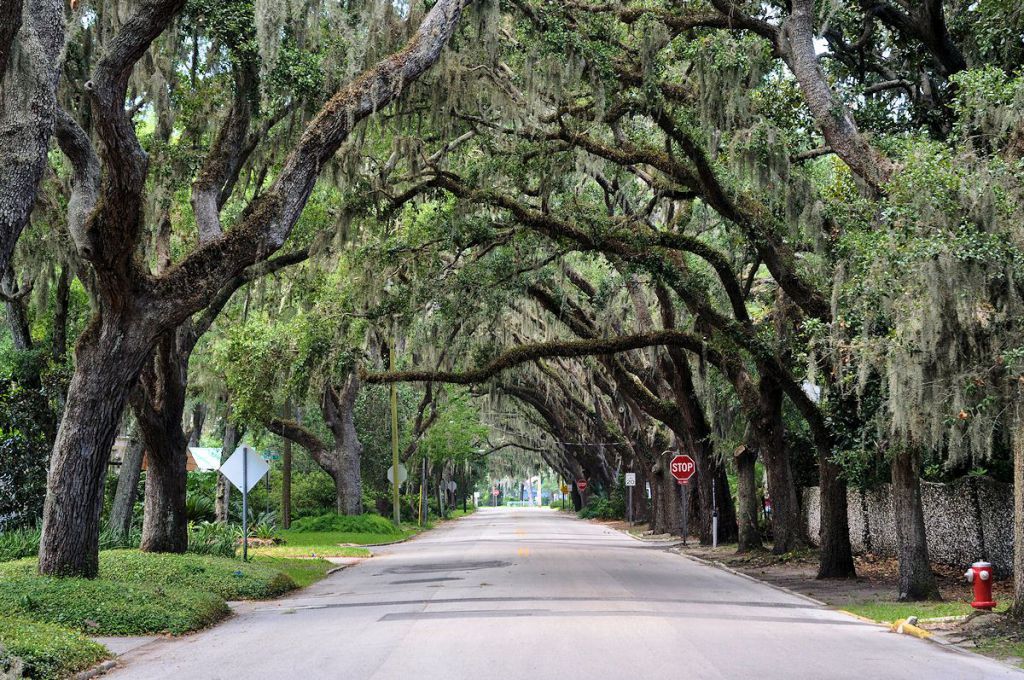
x: 245, y: 464
x: 403, y: 474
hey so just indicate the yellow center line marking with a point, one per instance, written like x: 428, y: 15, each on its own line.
x: 523, y: 552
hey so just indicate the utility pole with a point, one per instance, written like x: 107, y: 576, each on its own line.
x: 396, y: 502
x: 286, y: 473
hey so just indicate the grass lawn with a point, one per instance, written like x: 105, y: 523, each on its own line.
x: 299, y: 543
x: 44, y: 651
x: 304, y: 572
x: 888, y: 612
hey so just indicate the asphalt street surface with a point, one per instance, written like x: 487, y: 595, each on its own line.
x: 529, y: 593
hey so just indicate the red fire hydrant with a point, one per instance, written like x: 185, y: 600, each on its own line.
x: 980, y: 574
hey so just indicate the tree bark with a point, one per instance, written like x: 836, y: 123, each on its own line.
x: 339, y: 412
x: 916, y: 580
x: 123, y: 509
x: 1017, y: 608
x: 769, y: 430
x: 835, y: 554
x: 159, y: 407
x: 110, y: 355
x: 17, y: 316
x: 165, y: 521
x: 746, y: 492
x: 31, y: 52
x: 232, y: 435
x: 59, y: 345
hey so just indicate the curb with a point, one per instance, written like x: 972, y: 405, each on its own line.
x: 96, y: 670
x: 734, y: 572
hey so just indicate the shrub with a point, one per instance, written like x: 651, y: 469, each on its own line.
x: 24, y: 542
x: 211, y: 538
x: 349, y: 524
x: 19, y: 543
x: 600, y: 507
x: 45, y: 651
x: 102, y: 607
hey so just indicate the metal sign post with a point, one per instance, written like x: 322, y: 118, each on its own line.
x: 686, y: 509
x: 714, y: 517
x: 630, y: 483
x: 245, y: 508
x: 244, y: 469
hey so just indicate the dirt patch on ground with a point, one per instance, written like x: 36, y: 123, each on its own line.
x: 876, y: 575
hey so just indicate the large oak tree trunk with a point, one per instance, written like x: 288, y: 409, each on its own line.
x: 109, y: 357
x: 787, y: 526
x: 836, y: 554
x: 746, y: 492
x: 165, y: 522
x: 340, y: 413
x: 916, y: 580
x: 159, y: 408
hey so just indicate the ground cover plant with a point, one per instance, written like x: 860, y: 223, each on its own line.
x: 101, y: 607
x: 226, y: 577
x: 44, y: 651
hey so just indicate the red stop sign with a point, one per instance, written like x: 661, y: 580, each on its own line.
x: 581, y: 484
x: 682, y: 467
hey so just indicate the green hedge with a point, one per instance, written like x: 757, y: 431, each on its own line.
x: 350, y: 524
x: 45, y: 651
x: 102, y: 607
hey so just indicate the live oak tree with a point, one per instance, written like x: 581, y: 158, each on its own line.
x: 134, y: 307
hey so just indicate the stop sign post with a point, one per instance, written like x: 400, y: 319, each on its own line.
x: 683, y: 469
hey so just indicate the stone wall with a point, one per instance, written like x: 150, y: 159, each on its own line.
x: 965, y: 521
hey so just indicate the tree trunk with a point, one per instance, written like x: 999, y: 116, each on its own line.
x: 836, y: 555
x: 769, y: 430
x: 59, y: 344
x: 110, y: 355
x: 916, y: 580
x: 165, y: 522
x: 33, y: 49
x: 746, y: 492
x: 339, y: 413
x: 123, y: 509
x: 198, y: 420
x: 160, y: 407
x: 223, y: 502
x: 1017, y: 608
x: 17, y: 318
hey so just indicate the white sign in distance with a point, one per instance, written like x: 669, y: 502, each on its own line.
x: 403, y: 474
x: 254, y: 467
x: 630, y: 479
x: 452, y: 486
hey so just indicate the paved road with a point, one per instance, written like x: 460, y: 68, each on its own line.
x: 533, y: 594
